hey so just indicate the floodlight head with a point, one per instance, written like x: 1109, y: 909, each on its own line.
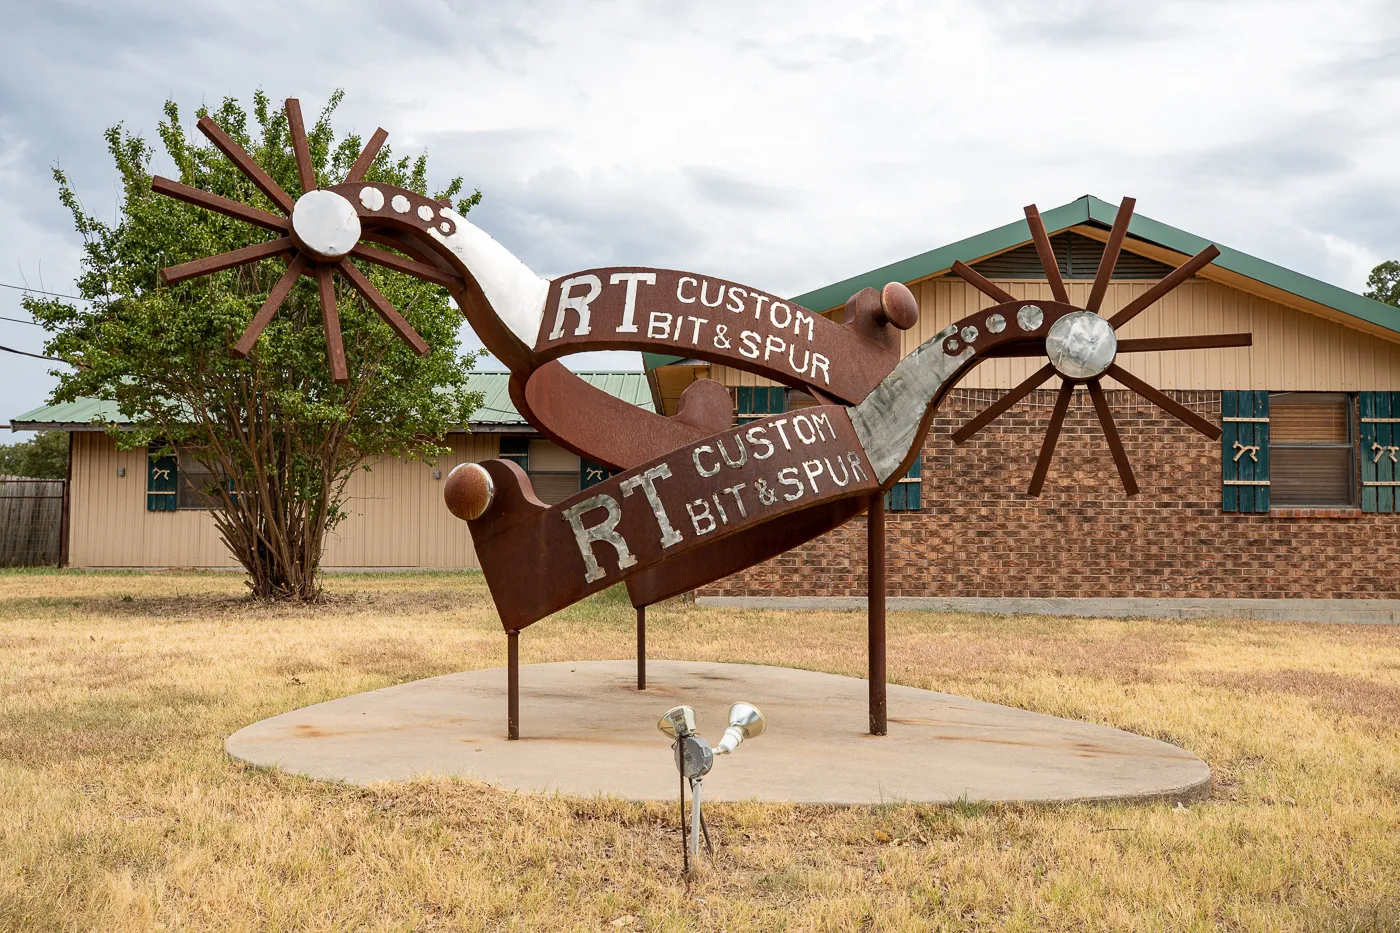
x: 745, y: 722
x: 677, y: 722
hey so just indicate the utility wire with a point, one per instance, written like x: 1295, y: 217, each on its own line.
x: 40, y: 291
x: 35, y: 355
x: 20, y: 320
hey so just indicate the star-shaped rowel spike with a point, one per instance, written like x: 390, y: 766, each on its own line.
x: 1082, y: 346
x: 320, y: 233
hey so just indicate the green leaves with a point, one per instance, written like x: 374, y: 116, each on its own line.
x: 274, y: 421
x: 1383, y: 284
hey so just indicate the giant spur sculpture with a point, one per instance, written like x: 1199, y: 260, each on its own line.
x: 693, y: 498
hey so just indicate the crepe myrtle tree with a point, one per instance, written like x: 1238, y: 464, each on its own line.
x: 1383, y: 284
x: 279, y: 438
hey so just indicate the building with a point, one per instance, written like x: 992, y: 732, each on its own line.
x: 1298, y: 498
x: 129, y: 509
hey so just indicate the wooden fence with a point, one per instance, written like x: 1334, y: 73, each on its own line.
x: 31, y: 521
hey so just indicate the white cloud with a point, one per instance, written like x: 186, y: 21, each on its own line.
x: 788, y: 145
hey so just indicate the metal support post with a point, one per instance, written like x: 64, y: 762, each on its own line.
x: 641, y: 647
x: 512, y: 684
x: 875, y: 600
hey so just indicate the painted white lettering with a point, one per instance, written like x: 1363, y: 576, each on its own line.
x: 773, y: 314
x: 658, y: 325
x: 781, y: 433
x: 820, y: 362
x: 750, y: 344
x: 774, y: 344
x: 758, y: 430
x: 803, y: 318
x: 809, y: 436
x: 723, y: 515
x: 605, y: 531
x: 787, y: 476
x: 629, y: 304
x: 697, y: 321
x: 699, y: 468
x: 702, y: 516
x: 823, y: 424
x: 813, y: 469
x: 647, y: 482
x: 680, y: 284
x: 766, y: 495
x: 759, y: 302
x: 738, y: 499
x: 705, y: 290
x: 579, y: 303
x: 737, y: 295
x: 743, y: 452
x: 680, y: 319
x: 854, y: 459
x: 845, y: 474
x: 792, y: 359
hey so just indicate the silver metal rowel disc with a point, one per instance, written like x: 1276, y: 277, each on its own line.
x: 325, y: 224
x: 1081, y: 345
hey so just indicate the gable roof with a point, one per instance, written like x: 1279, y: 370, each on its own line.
x: 1276, y: 282
x: 495, y: 412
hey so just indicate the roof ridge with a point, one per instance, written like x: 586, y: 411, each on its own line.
x: 1090, y: 207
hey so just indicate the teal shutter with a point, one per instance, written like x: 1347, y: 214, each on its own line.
x: 907, y: 494
x: 590, y: 474
x: 1244, y: 451
x: 162, y: 482
x: 753, y: 402
x: 1380, y: 445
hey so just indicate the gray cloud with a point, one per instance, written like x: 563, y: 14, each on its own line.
x: 787, y: 145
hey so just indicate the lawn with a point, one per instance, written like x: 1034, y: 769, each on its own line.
x: 119, y: 810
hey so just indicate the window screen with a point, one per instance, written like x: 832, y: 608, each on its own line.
x: 1312, y: 451
x: 555, y: 473
x: 195, y: 485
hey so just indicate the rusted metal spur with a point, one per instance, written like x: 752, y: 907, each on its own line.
x: 695, y: 498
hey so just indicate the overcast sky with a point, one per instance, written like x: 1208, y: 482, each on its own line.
x: 783, y: 145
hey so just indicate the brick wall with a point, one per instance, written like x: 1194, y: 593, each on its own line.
x: 979, y: 534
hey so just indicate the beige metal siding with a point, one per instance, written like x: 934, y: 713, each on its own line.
x: 396, y: 516
x: 1293, y: 350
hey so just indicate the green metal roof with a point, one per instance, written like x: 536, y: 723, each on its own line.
x: 496, y: 407
x: 93, y: 413
x: 495, y: 410
x: 1090, y: 208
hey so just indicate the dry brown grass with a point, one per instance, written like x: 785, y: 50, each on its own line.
x: 119, y: 810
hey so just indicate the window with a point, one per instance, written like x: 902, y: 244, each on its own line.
x: 906, y: 495
x: 754, y: 402
x: 591, y: 474
x: 555, y: 473
x: 178, y: 482
x: 1380, y: 450
x: 1312, y: 450
x: 162, y: 481
x: 517, y: 451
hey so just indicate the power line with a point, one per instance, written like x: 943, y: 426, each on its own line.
x: 40, y: 291
x: 18, y: 320
x: 35, y: 355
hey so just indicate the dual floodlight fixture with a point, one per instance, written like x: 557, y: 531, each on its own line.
x: 695, y: 758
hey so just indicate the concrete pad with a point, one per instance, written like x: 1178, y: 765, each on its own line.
x: 586, y: 730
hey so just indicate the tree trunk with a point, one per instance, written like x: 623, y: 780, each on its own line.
x: 278, y: 536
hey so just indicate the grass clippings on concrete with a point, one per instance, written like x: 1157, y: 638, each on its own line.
x: 119, y: 810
